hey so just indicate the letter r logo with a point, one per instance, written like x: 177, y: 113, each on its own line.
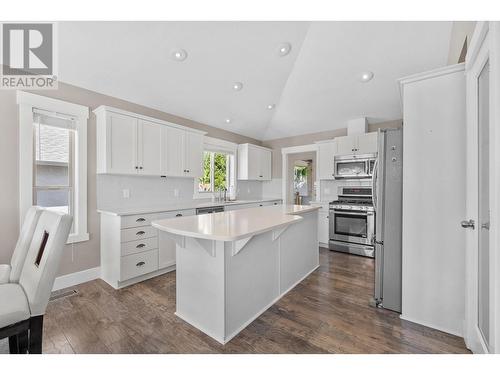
x: 27, y: 49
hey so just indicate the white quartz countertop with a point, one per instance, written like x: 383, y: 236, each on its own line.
x: 117, y: 211
x: 234, y: 225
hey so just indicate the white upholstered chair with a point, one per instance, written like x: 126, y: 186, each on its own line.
x: 10, y: 273
x: 23, y: 304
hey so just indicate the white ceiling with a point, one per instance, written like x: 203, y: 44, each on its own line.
x: 315, y: 88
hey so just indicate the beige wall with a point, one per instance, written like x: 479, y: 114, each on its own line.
x: 459, y: 32
x: 278, y: 144
x: 83, y: 255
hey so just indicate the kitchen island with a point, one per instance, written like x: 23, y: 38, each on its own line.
x: 232, y: 266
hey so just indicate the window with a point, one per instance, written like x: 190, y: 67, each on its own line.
x: 53, y: 162
x: 53, y: 159
x: 216, y: 172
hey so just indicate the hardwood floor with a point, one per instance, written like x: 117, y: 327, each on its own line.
x: 327, y: 313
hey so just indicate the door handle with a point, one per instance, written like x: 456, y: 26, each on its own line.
x: 468, y: 224
x: 140, y: 264
x: 140, y: 220
x: 140, y: 233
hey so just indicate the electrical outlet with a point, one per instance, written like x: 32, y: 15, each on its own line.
x: 176, y: 193
x: 126, y: 193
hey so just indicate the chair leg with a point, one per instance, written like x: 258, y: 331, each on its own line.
x: 22, y: 342
x: 35, y: 337
x: 13, y: 345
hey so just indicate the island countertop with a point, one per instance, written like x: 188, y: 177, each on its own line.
x: 234, y: 225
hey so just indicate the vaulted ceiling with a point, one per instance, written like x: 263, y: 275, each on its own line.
x: 315, y: 87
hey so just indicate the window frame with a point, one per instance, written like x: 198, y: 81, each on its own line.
x: 216, y: 145
x: 27, y: 102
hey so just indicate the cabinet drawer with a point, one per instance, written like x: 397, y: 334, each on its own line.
x: 136, y: 220
x: 133, y: 234
x: 138, y: 264
x: 171, y: 214
x: 139, y: 246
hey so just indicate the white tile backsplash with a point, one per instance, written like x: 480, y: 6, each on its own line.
x: 329, y: 188
x: 272, y: 188
x: 142, y: 191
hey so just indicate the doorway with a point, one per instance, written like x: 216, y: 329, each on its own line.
x: 299, y: 171
x: 481, y: 303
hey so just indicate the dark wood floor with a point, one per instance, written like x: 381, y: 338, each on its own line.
x: 327, y: 313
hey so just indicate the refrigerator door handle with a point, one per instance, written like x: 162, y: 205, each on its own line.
x: 374, y: 185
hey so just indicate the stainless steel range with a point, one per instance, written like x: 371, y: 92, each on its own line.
x: 352, y: 221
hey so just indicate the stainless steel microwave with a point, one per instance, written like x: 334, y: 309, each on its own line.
x: 354, y: 166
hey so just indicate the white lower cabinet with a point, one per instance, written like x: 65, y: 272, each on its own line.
x: 133, y: 251
x: 323, y: 227
x: 138, y: 264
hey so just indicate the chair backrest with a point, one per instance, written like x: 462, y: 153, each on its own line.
x: 43, y: 258
x: 23, y: 243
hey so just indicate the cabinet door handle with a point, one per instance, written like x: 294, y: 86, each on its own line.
x: 140, y: 233
x: 140, y: 220
x: 178, y: 215
x: 140, y: 264
x: 140, y: 167
x: 136, y: 167
x: 140, y: 246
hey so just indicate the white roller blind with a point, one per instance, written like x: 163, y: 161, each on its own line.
x: 55, y: 119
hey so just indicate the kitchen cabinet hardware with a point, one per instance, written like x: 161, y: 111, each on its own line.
x: 140, y: 264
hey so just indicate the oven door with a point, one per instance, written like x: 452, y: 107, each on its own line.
x: 352, y: 226
x: 351, y: 169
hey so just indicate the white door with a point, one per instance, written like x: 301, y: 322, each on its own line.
x: 265, y: 165
x: 347, y: 145
x: 193, y: 165
x: 367, y: 143
x: 326, y: 157
x: 172, y: 152
x: 253, y: 162
x: 149, y: 148
x: 480, y: 298
x: 122, y: 144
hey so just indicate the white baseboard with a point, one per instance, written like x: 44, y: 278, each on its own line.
x: 76, y: 278
x: 434, y: 326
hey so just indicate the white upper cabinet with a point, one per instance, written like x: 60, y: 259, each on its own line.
x: 149, y: 148
x: 326, y: 154
x: 254, y: 162
x: 117, y: 144
x: 173, y: 152
x: 193, y: 150
x: 357, y: 144
x: 129, y: 143
x: 367, y: 143
x: 346, y: 145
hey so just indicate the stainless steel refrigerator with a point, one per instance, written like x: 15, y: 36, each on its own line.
x: 387, y: 201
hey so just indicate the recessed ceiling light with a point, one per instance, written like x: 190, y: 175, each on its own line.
x: 179, y: 55
x: 284, y: 49
x: 270, y: 106
x: 366, y: 76
x: 228, y: 121
x: 237, y: 86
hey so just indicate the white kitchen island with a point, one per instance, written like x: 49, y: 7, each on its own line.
x: 232, y: 266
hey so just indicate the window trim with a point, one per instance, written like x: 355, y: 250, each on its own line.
x: 217, y: 145
x: 27, y: 102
